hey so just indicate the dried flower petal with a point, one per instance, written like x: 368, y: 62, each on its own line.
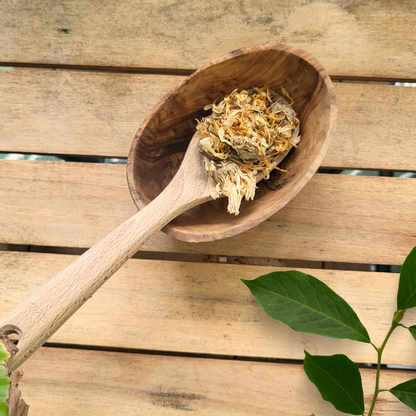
x: 248, y: 132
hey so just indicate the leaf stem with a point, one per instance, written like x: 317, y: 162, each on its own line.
x: 394, y: 325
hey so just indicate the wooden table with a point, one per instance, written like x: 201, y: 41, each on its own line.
x: 175, y: 331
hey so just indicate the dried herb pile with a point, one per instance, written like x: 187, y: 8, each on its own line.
x: 247, y: 135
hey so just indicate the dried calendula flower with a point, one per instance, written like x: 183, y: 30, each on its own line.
x: 248, y: 134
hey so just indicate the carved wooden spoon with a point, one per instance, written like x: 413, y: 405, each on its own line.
x: 159, y: 140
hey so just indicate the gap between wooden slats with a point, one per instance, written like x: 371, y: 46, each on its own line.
x: 69, y: 382
x: 183, y: 307
x: 353, y: 219
x: 369, y: 39
x: 98, y: 114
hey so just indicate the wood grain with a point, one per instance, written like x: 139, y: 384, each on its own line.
x: 195, y: 308
x: 367, y: 39
x: 93, y: 383
x: 76, y: 204
x: 53, y: 112
x: 76, y: 113
x: 365, y: 136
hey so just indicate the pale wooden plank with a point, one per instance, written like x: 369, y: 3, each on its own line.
x: 93, y: 113
x: 205, y: 308
x: 334, y: 218
x: 74, y: 382
x: 366, y: 135
x: 369, y: 39
x: 76, y: 113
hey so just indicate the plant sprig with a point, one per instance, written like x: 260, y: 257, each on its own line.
x: 306, y: 304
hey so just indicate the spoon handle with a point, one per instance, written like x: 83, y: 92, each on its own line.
x: 37, y: 318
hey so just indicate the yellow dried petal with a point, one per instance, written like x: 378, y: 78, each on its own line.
x: 285, y: 93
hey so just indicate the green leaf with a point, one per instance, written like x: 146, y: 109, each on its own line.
x: 307, y: 305
x: 412, y: 330
x: 4, y: 382
x: 338, y: 380
x: 406, y: 295
x: 406, y: 393
x: 4, y: 354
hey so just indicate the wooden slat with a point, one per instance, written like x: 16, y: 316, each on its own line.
x: 73, y: 382
x: 204, y: 308
x: 75, y: 113
x: 93, y: 113
x: 369, y: 39
x: 334, y: 218
x: 366, y: 135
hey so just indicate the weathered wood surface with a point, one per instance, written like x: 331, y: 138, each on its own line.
x: 75, y: 205
x: 97, y: 383
x: 183, y: 307
x: 354, y: 38
x: 98, y: 114
x: 76, y: 113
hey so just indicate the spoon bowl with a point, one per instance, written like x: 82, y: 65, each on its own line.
x: 160, y: 143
